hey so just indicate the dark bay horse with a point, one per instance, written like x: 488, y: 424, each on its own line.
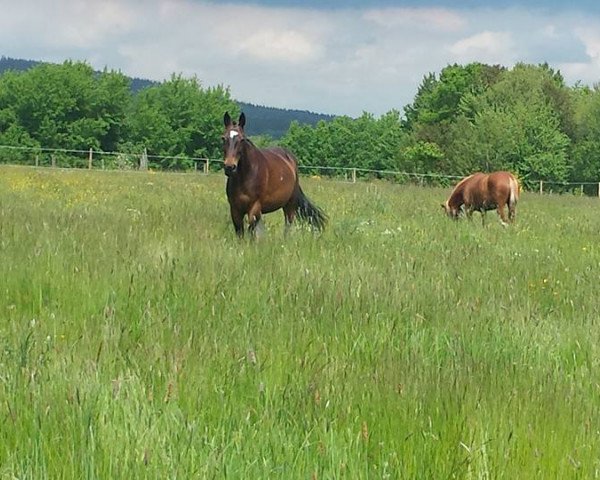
x: 262, y: 180
x: 484, y: 192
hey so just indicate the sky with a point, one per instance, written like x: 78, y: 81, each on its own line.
x: 326, y: 56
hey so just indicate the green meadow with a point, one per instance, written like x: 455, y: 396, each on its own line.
x: 139, y: 338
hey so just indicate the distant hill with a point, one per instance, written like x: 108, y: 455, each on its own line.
x: 262, y: 120
x: 276, y: 121
x: 7, y: 63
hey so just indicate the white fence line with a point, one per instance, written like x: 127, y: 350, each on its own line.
x: 353, y: 171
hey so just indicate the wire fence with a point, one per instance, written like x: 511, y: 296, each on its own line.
x: 95, y: 159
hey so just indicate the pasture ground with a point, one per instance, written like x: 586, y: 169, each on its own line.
x: 140, y: 339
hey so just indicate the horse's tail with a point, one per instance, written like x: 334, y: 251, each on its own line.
x: 308, y: 212
x: 514, y: 191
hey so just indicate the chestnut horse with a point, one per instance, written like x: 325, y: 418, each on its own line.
x: 484, y: 192
x: 262, y: 180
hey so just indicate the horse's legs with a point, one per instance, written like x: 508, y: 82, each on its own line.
x: 289, y: 214
x: 511, y: 212
x: 469, y: 212
x: 483, y: 217
x: 254, y: 216
x: 502, y: 214
x: 237, y: 218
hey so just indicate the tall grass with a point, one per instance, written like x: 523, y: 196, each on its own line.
x: 140, y: 339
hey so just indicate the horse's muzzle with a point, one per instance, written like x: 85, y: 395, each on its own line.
x: 230, y: 169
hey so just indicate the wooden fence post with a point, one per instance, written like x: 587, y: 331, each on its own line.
x: 206, y: 166
x: 144, y: 160
x: 598, y: 189
x: 90, y: 157
x: 53, y: 160
x: 354, y: 175
x: 541, y: 187
x: 37, y: 164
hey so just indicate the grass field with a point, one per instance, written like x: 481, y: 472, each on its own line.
x: 140, y: 339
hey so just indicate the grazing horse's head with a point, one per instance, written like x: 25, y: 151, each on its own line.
x: 233, y: 140
x: 452, y: 212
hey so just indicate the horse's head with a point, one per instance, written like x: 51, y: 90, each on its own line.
x: 233, y: 141
x: 452, y: 212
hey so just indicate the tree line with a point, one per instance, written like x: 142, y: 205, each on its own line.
x: 466, y: 118
x: 270, y: 121
x: 469, y: 118
x: 70, y: 106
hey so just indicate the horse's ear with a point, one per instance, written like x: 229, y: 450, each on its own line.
x: 227, y: 119
x: 242, y: 120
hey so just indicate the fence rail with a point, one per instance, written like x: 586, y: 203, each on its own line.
x: 96, y: 159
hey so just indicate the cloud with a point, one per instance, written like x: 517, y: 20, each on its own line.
x: 334, y: 60
x: 278, y: 45
x: 587, y: 71
x: 550, y: 41
x: 65, y: 24
x: 486, y: 47
x: 591, y: 40
x: 410, y: 17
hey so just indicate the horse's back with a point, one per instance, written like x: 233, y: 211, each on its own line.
x: 489, y: 190
x: 473, y: 188
x: 503, y: 185
x: 280, y: 153
x: 501, y: 177
x: 472, y: 182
